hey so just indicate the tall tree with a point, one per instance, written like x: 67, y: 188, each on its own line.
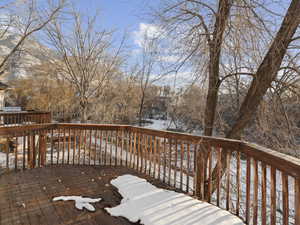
x: 188, y: 18
x: 268, y: 69
x: 87, y: 58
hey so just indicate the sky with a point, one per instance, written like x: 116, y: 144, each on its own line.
x: 130, y: 16
x: 123, y: 15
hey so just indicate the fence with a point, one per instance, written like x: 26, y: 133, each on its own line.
x: 19, y: 118
x: 257, y: 184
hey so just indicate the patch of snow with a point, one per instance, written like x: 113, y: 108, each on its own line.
x: 154, y: 206
x: 158, y: 124
x: 80, y: 202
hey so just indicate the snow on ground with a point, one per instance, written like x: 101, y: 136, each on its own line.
x: 158, y: 124
x: 154, y: 206
x: 80, y: 202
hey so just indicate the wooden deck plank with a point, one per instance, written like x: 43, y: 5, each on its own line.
x: 26, y: 197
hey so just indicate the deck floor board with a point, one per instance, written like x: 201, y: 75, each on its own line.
x: 26, y: 197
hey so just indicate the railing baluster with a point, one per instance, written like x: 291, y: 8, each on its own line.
x: 175, y: 162
x: 264, y: 194
x: 7, y: 155
x: 228, y: 194
x: 39, y: 150
x: 69, y: 145
x: 285, y: 198
x: 110, y: 147
x: 150, y: 154
x: 297, y: 202
x: 128, y: 145
x: 238, y: 180
x: 16, y: 154
x: 273, y: 196
x: 51, y: 147
x: 100, y: 150
x: 219, y: 167
x: 33, y: 151
x: 131, y: 143
x: 122, y: 148
x: 64, y: 146
x: 255, y: 195
x: 195, y: 191
x: 248, y: 188
x: 116, y: 148
x: 96, y: 137
x: 24, y: 148
x: 198, y: 172
x: 29, y: 150
x: 105, y: 147
x: 90, y: 146
x: 138, y: 151
x: 142, y: 151
x: 74, y: 146
x: 203, y: 172
x: 84, y: 145
x: 170, y: 160
x: 80, y: 145
x: 147, y: 153
x: 181, y: 164
x: 159, y: 157
x: 58, y: 146
x: 155, y: 156
x: 188, y: 168
x: 209, y: 177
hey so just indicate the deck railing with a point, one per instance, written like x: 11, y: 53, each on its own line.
x: 19, y: 118
x: 257, y: 184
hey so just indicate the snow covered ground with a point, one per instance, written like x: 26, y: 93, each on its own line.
x: 154, y: 206
x: 158, y: 124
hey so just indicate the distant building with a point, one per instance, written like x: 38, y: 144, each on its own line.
x: 3, y: 88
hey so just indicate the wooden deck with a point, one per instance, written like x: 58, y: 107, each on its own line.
x: 26, y: 197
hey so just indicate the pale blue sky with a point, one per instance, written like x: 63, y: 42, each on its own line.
x: 122, y: 15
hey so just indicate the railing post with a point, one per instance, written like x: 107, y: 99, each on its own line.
x: 199, y: 173
x: 31, y: 151
x: 42, y: 149
x: 297, y: 202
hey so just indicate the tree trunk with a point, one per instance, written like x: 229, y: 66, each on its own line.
x: 83, y: 111
x: 265, y: 75
x: 141, y: 109
x: 267, y: 71
x: 215, y: 46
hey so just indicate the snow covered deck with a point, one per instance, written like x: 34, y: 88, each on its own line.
x: 26, y: 197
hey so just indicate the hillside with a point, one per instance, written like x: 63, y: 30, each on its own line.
x: 31, y: 53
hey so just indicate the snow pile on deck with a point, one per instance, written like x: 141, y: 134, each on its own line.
x: 154, y: 206
x: 80, y: 202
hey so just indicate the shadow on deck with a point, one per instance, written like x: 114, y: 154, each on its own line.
x: 26, y: 197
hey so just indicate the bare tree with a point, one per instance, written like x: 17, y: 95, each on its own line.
x: 44, y: 90
x: 201, y: 35
x: 188, y: 19
x: 145, y: 70
x: 25, y: 19
x: 86, y: 57
x: 268, y: 69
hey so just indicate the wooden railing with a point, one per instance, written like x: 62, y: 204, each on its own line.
x: 19, y: 118
x: 257, y: 184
